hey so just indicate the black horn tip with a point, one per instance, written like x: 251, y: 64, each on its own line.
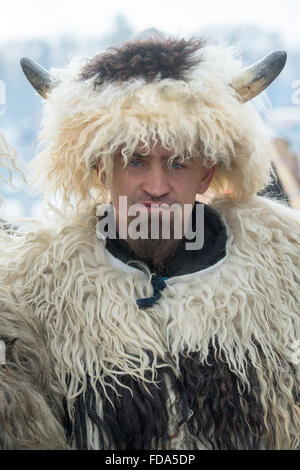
x: 273, y: 66
x: 280, y: 58
x: 255, y: 78
x: 38, y: 77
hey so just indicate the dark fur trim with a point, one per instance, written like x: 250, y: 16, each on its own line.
x: 135, y: 418
x: 148, y: 59
x: 220, y: 411
x: 212, y: 405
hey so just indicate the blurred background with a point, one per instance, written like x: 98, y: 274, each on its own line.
x: 52, y: 32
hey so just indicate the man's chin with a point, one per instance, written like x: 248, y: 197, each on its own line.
x: 152, y: 237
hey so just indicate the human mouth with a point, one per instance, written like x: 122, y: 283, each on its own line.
x: 154, y: 206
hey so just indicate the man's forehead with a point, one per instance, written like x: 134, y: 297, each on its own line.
x: 155, y: 149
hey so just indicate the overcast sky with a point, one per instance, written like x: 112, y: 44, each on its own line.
x: 31, y: 18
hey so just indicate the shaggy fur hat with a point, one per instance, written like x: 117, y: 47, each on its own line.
x: 176, y: 91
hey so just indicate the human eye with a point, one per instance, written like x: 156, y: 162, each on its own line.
x: 176, y: 164
x: 134, y: 162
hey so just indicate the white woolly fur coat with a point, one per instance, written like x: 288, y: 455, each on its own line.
x: 246, y: 308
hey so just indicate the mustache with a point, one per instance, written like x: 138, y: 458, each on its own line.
x: 154, y: 201
x: 146, y: 197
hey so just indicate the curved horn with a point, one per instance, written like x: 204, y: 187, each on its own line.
x: 254, y: 79
x: 39, y: 77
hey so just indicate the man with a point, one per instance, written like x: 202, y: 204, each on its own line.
x: 154, y: 342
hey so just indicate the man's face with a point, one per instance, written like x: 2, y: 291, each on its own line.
x: 151, y: 180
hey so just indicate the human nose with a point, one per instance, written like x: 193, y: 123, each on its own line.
x: 156, y: 182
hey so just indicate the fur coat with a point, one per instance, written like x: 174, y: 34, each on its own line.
x: 214, y: 364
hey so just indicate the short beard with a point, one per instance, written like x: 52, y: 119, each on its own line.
x: 156, y: 251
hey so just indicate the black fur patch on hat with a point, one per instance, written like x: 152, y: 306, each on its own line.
x: 148, y: 59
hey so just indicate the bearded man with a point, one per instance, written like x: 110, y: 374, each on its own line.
x: 154, y: 343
